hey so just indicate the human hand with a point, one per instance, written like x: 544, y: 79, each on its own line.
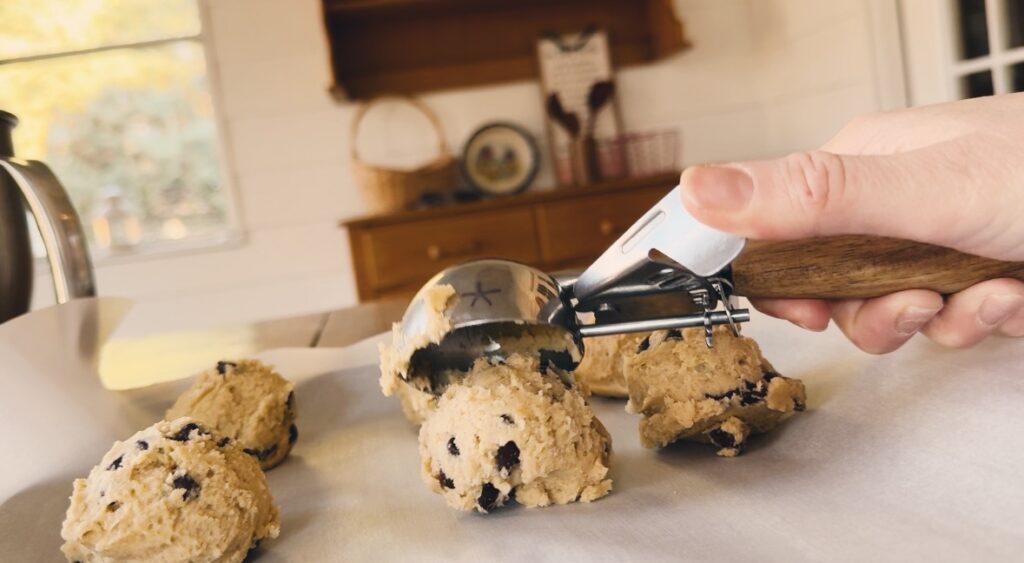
x: 950, y: 174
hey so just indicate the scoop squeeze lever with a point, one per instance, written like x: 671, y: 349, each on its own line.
x: 667, y: 230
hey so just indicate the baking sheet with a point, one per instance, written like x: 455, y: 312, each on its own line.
x: 912, y: 456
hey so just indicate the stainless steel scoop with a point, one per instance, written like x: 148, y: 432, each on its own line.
x: 495, y: 301
x: 500, y: 302
x: 639, y: 284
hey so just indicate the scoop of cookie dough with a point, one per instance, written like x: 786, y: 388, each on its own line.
x: 602, y: 367
x: 396, y: 356
x: 721, y: 395
x: 248, y: 402
x: 172, y: 492
x: 514, y: 430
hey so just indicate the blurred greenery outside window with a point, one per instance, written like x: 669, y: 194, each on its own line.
x: 113, y: 95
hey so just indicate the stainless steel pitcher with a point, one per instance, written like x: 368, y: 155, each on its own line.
x: 29, y: 184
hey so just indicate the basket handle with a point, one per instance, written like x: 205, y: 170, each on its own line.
x: 442, y: 145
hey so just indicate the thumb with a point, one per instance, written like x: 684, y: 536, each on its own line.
x: 928, y: 195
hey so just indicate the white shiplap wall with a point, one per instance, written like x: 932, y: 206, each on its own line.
x: 764, y: 77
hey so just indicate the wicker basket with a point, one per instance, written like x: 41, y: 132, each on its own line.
x: 392, y: 189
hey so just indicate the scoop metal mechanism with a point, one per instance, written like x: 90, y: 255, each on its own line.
x: 665, y: 253
x: 666, y: 272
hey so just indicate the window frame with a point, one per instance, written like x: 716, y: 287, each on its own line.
x: 931, y: 40
x: 1000, y: 57
x: 233, y: 233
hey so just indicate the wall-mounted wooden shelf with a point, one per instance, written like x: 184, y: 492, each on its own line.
x: 411, y: 46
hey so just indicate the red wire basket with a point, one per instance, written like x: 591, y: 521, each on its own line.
x: 644, y: 153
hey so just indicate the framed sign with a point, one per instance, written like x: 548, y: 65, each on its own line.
x: 577, y: 83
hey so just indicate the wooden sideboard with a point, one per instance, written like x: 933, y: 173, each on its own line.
x: 395, y: 254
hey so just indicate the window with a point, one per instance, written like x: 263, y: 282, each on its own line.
x: 955, y: 49
x: 989, y: 55
x: 113, y: 95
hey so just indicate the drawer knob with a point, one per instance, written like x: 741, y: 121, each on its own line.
x: 606, y: 227
x: 434, y: 252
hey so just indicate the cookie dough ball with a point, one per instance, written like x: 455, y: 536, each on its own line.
x: 516, y: 430
x: 721, y: 395
x: 248, y: 402
x: 602, y: 368
x: 172, y: 492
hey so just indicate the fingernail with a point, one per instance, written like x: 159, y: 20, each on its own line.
x: 911, y: 319
x: 997, y: 308
x: 808, y: 327
x: 721, y: 189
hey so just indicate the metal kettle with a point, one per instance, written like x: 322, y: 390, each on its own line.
x: 31, y: 185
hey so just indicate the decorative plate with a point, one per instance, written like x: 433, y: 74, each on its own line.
x: 500, y: 158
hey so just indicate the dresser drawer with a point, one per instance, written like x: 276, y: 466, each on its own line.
x: 406, y: 255
x: 575, y: 232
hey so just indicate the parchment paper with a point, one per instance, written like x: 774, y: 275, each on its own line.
x: 908, y: 457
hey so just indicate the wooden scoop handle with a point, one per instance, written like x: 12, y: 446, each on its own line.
x: 846, y: 267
